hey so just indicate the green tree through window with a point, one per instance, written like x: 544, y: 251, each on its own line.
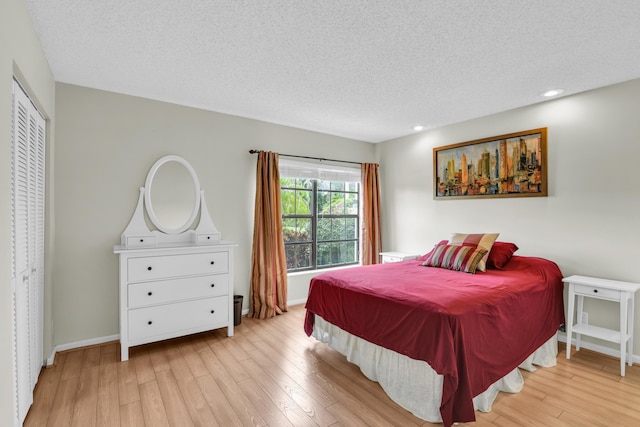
x: 320, y: 222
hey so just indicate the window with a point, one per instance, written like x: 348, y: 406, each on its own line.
x: 320, y: 219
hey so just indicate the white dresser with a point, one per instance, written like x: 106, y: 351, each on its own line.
x: 177, y: 279
x: 166, y: 292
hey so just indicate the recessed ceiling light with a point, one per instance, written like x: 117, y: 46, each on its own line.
x: 552, y: 92
x: 418, y: 127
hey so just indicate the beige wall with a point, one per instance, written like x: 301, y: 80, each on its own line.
x: 22, y: 56
x: 589, y: 224
x: 106, y: 143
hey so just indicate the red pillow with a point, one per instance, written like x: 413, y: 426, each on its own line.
x: 501, y: 253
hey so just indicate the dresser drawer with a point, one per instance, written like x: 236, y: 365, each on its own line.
x: 172, y: 318
x: 602, y: 293
x: 150, y: 293
x: 160, y: 267
x: 141, y: 241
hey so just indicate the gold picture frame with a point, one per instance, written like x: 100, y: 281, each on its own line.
x: 511, y: 165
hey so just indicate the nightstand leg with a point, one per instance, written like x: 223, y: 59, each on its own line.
x: 623, y: 334
x: 568, y: 326
x: 630, y: 344
x: 579, y: 320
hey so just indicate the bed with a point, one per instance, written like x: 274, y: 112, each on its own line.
x: 441, y: 343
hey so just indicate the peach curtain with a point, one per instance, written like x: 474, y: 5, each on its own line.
x: 371, y: 232
x: 268, y: 261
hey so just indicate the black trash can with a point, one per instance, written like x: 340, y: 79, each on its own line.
x: 237, y: 310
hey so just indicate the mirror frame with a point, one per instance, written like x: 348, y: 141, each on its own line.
x: 148, y: 189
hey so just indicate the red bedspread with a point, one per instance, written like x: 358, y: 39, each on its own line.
x: 472, y: 329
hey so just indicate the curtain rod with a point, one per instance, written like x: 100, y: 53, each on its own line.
x: 307, y: 157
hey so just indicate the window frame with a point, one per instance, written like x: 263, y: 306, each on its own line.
x: 315, y: 218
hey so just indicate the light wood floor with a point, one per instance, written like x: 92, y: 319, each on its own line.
x: 271, y: 374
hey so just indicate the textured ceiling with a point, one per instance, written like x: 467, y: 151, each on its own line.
x: 368, y: 70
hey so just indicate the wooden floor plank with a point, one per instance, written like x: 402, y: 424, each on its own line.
x: 195, y: 401
x: 45, y: 393
x: 158, y: 356
x: 306, y: 401
x: 192, y: 357
x: 86, y: 405
x: 153, y: 408
x: 220, y: 406
x: 241, y: 403
x: 174, y: 404
x: 108, y: 411
x: 144, y: 368
x: 127, y: 383
x: 270, y: 412
x: 300, y: 411
x: 73, y: 365
x: 62, y: 407
x: 345, y: 415
x: 131, y: 415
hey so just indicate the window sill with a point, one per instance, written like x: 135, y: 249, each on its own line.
x: 322, y: 270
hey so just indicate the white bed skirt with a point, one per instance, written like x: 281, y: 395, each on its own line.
x: 413, y: 384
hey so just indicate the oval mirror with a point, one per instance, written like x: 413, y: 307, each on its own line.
x: 172, y: 194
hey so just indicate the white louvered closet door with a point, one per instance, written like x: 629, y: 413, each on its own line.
x: 28, y: 176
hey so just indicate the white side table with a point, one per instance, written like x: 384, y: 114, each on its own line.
x: 604, y: 289
x: 397, y: 256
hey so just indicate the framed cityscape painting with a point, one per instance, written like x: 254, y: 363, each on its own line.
x: 512, y: 165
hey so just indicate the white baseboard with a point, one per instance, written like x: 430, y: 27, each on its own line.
x: 78, y: 344
x: 562, y: 336
x: 292, y: 302
x: 102, y: 340
x: 297, y: 301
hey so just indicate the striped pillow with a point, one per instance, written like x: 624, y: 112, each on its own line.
x: 483, y: 241
x: 456, y: 257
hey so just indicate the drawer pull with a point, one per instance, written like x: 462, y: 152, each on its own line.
x: 141, y: 240
x: 213, y: 262
x: 595, y: 291
x: 213, y: 285
x: 213, y: 311
x: 149, y: 293
x: 149, y: 322
x: 208, y: 237
x: 149, y: 268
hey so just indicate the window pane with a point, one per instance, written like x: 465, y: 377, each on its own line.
x: 298, y: 256
x: 351, y: 251
x: 303, y: 202
x: 351, y: 204
x: 351, y: 228
x: 345, y: 252
x: 289, y: 229
x: 336, y: 253
x: 324, y: 198
x: 296, y: 229
x: 324, y: 254
x: 288, y: 200
x: 337, y: 203
x: 304, y: 229
x: 337, y: 229
x: 323, y: 231
x: 352, y: 186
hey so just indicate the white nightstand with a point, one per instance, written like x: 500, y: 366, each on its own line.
x: 610, y: 290
x: 397, y: 256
